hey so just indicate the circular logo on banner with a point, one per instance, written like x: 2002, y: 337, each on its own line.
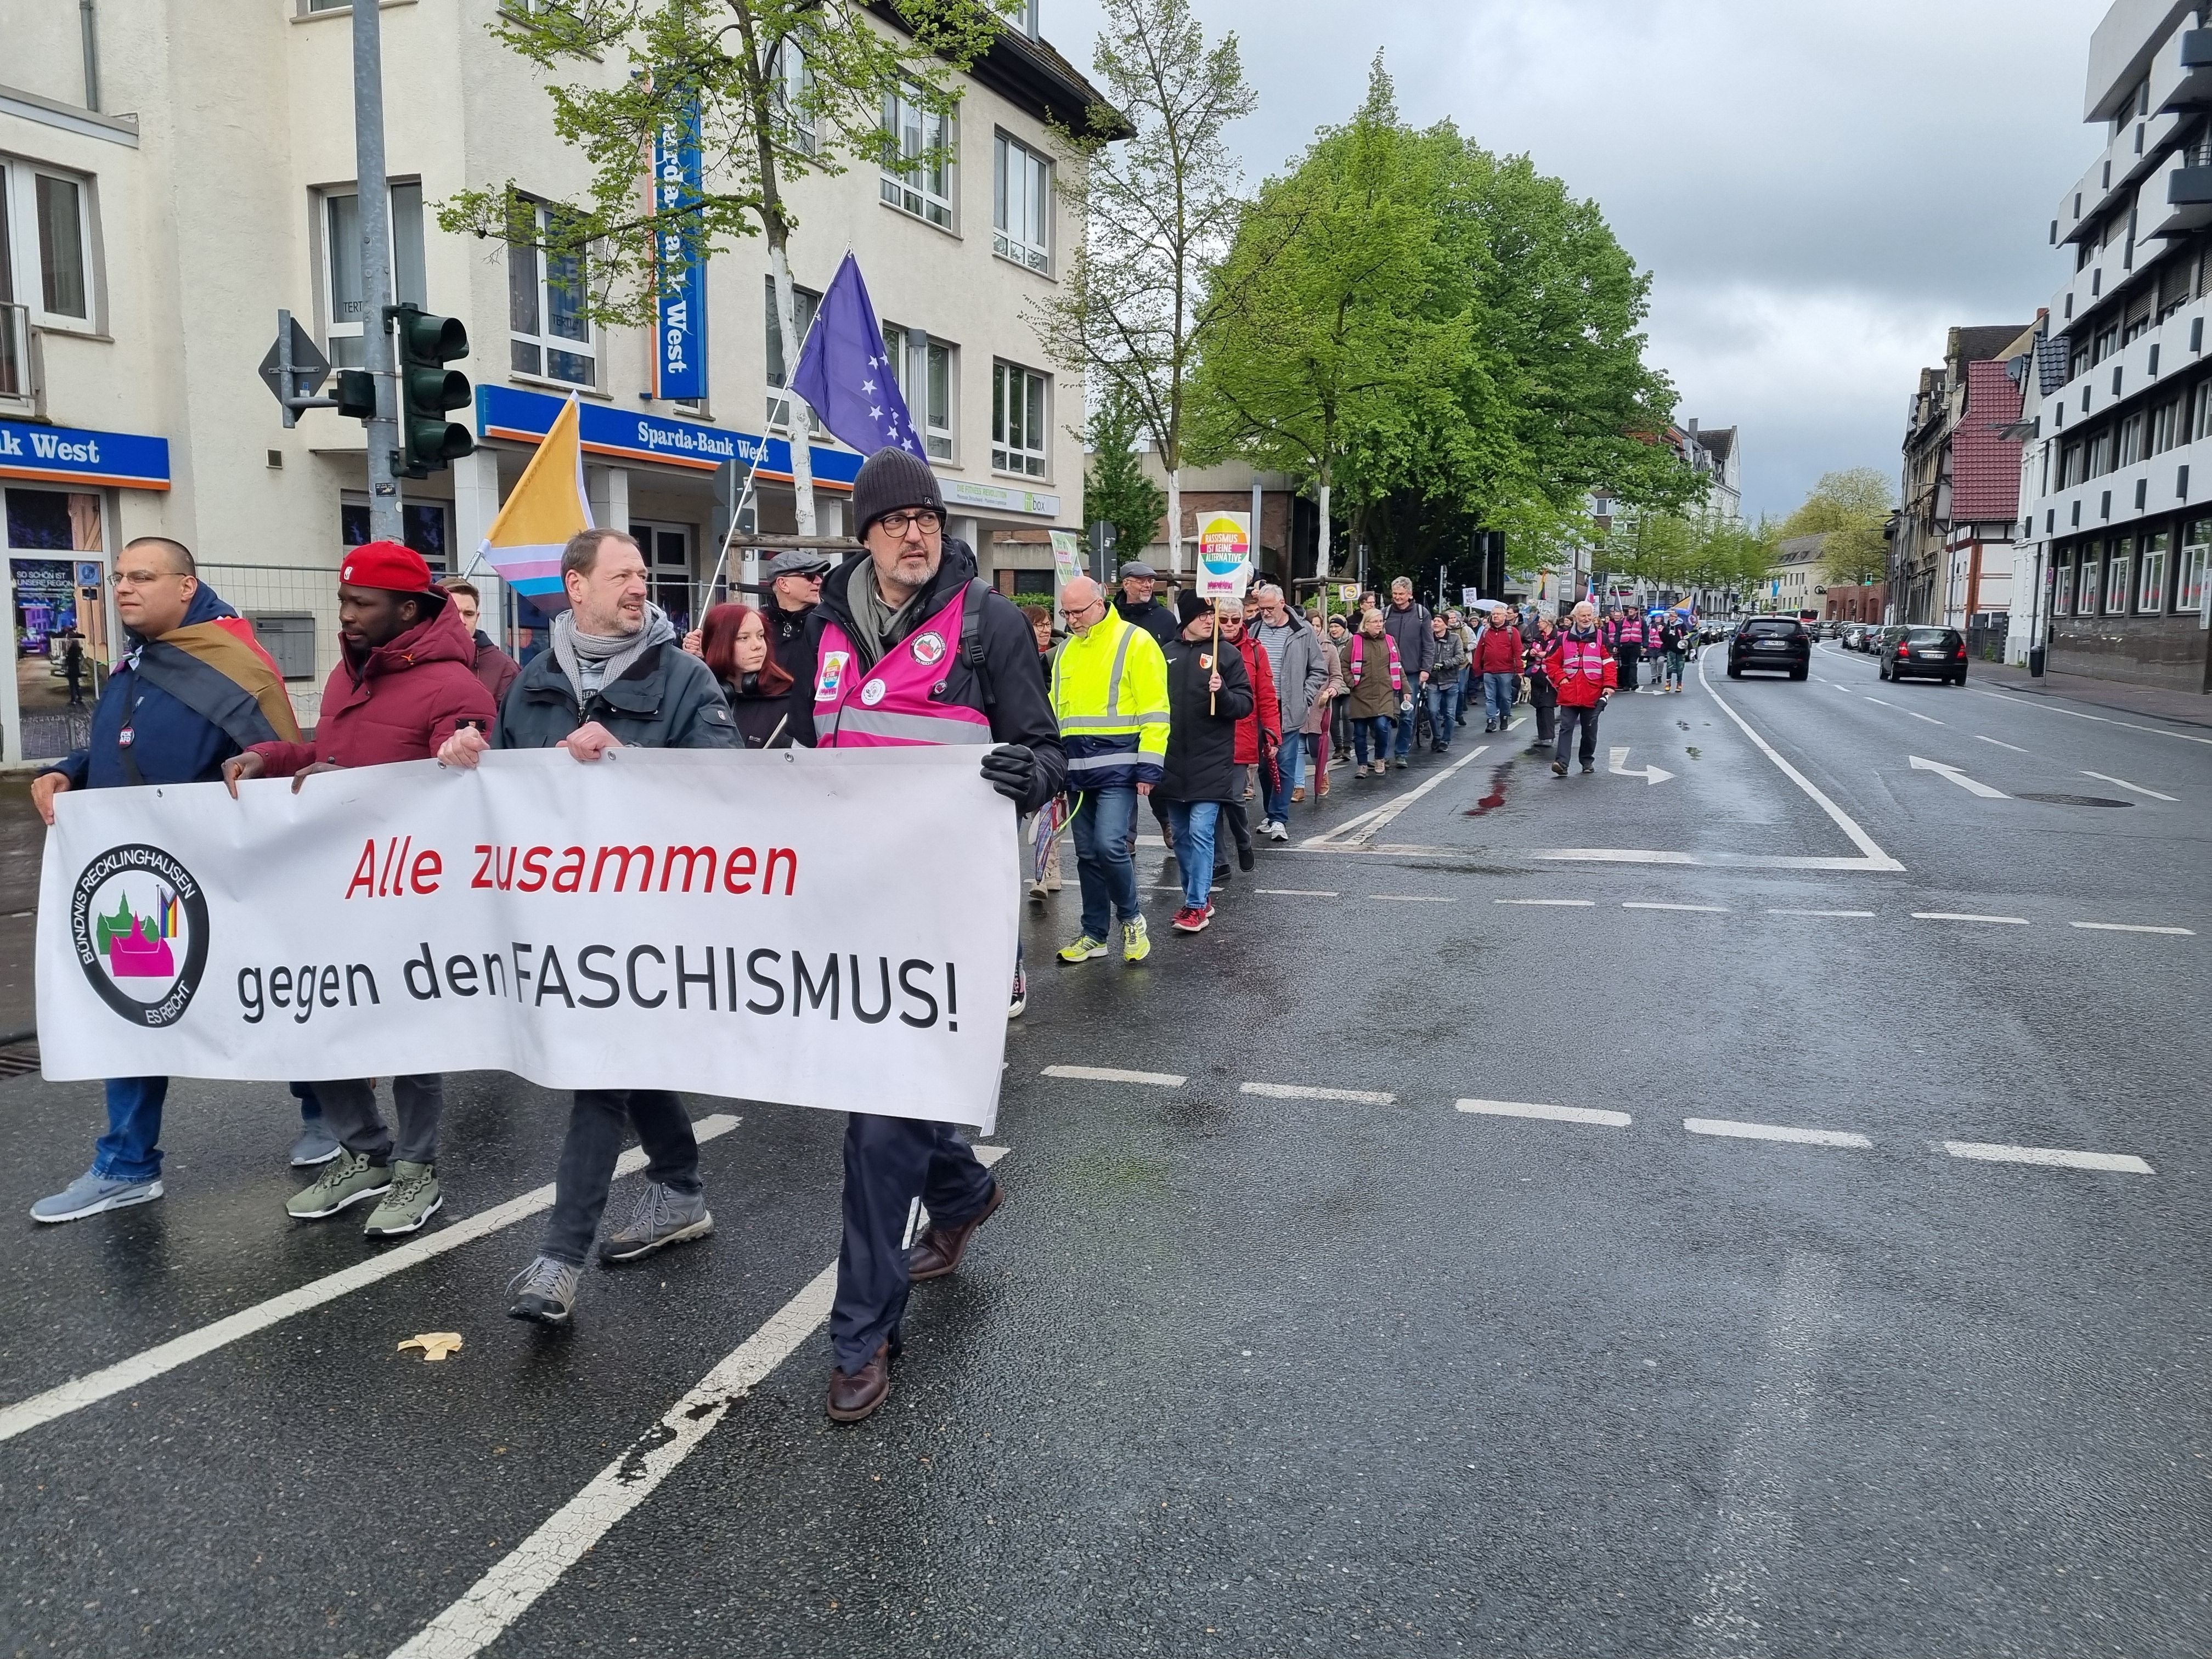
x: 872, y: 693
x: 139, y: 922
x: 927, y: 648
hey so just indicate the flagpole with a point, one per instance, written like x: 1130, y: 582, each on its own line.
x: 760, y: 453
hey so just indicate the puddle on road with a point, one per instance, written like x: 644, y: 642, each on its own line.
x: 2072, y: 800
x: 1693, y: 751
x: 1496, y: 798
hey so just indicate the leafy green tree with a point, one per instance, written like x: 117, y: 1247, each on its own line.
x: 1158, y: 187
x: 1850, y: 509
x: 1116, y: 489
x: 781, y: 88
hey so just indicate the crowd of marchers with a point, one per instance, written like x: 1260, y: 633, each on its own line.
x: 1214, y: 713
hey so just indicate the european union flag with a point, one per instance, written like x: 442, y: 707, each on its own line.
x: 845, y: 372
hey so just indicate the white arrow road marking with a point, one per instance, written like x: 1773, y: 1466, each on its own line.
x: 1617, y: 763
x: 1968, y: 784
x: 1356, y: 833
x: 2106, y: 777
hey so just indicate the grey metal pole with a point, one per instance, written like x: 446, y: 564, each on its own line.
x: 384, y: 522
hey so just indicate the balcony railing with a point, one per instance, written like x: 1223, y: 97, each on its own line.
x: 15, y: 350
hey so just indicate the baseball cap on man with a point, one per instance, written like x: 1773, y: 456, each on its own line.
x: 387, y: 565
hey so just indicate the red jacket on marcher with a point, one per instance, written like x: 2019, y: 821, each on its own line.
x: 1498, y: 651
x: 1581, y: 668
x: 401, y: 701
x: 1265, y: 707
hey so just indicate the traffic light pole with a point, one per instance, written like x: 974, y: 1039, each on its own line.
x: 384, y: 522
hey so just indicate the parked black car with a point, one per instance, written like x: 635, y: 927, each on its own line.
x: 1924, y: 653
x: 1771, y: 642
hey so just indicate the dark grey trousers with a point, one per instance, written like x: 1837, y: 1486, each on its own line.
x: 595, y: 1126
x: 350, y: 1114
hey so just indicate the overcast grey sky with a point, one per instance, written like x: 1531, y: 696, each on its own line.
x: 1818, y: 192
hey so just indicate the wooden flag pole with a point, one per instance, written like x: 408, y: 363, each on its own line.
x: 1214, y: 605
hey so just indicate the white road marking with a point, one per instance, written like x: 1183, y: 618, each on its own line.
x: 1294, y: 892
x: 1971, y: 786
x: 1582, y: 904
x: 2102, y: 720
x: 1357, y: 832
x: 2001, y: 744
x: 2106, y: 777
x: 82, y: 1391
x: 1930, y: 718
x: 1549, y: 1114
x: 1413, y: 899
x: 489, y: 1607
x: 1731, y: 1128
x: 1111, y: 1074
x: 1966, y: 915
x: 1863, y: 915
x: 1988, y: 1153
x: 1299, y: 1092
x: 2131, y: 928
x: 1711, y: 860
x: 1875, y: 858
x: 1617, y: 763
x: 1650, y: 904
x: 1885, y: 705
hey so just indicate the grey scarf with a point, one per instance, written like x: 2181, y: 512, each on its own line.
x: 591, y: 660
x: 879, y: 626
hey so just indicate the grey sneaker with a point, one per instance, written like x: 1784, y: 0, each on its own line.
x: 316, y: 1146
x: 415, y: 1197
x: 345, y: 1179
x: 545, y: 1292
x: 90, y: 1193
x: 663, y: 1216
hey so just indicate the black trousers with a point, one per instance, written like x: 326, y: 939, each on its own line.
x: 1546, y: 718
x: 1569, y: 717
x: 889, y: 1162
x: 594, y: 1142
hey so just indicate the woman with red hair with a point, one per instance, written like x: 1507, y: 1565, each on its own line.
x: 733, y: 641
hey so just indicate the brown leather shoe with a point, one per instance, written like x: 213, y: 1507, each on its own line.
x: 939, y: 1251
x: 856, y: 1397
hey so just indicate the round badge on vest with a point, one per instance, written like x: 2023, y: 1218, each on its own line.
x: 872, y: 693
x: 927, y: 648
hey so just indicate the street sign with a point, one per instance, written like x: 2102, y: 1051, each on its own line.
x: 293, y: 368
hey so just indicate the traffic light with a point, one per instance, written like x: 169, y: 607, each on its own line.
x: 356, y: 393
x: 428, y: 440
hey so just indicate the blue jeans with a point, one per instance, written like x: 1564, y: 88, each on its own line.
x: 1470, y: 688
x: 1408, y: 718
x: 1192, y: 823
x: 1290, y: 773
x: 131, y: 1149
x: 1103, y: 864
x: 1497, y: 698
x: 1443, y: 702
x: 1377, y: 726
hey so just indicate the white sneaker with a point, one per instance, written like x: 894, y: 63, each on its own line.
x: 1278, y: 831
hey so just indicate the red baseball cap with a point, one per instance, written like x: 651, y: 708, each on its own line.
x: 386, y: 565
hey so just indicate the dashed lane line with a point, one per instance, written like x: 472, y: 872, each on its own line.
x: 489, y: 1607
x: 1112, y: 1074
x: 1986, y: 1153
x: 2131, y: 928
x: 1300, y: 1091
x: 1859, y: 915
x: 1294, y: 892
x: 95, y: 1386
x: 1885, y: 705
x: 1549, y: 1114
x: 1650, y: 904
x: 1578, y: 904
x: 2122, y: 783
x: 1413, y: 899
x: 1930, y: 718
x: 1968, y: 916
x: 2102, y: 720
x: 2000, y: 742
x: 1740, y: 1130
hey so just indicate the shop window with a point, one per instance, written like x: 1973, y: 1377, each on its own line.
x: 2063, y: 606
x: 2150, y: 583
x: 547, y: 288
x: 2117, y: 563
x: 56, y: 564
x: 2196, y: 556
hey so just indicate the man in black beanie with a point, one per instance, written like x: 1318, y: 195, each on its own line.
x: 910, y: 646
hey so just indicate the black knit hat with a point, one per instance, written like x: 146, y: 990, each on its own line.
x: 1188, y: 606
x: 890, y: 479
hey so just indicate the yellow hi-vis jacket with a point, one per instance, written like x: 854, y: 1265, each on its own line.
x: 1109, y: 694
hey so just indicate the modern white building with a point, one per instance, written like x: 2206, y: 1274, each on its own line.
x: 2116, y: 536
x: 170, y: 178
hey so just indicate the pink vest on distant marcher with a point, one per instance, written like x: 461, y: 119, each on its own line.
x: 896, y: 703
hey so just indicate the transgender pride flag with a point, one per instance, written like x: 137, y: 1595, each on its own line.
x: 546, y: 508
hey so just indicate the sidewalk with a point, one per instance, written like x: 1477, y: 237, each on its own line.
x: 2183, y: 707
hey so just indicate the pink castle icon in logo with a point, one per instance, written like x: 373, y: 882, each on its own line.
x: 138, y: 946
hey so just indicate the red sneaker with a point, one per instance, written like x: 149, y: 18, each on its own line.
x: 1191, y: 921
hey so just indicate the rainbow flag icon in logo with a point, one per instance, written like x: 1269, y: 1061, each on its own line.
x: 546, y: 508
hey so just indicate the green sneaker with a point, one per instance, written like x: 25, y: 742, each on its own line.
x: 1136, y: 942
x: 1083, y: 950
x: 415, y: 1197
x: 346, y: 1179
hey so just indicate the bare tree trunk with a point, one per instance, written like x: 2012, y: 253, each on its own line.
x: 1174, y: 520
x: 1322, y: 564
x: 799, y: 417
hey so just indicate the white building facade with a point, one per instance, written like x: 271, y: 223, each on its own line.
x: 144, y: 256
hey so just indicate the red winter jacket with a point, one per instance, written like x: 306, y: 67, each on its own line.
x: 1498, y: 651
x: 400, y: 703
x: 1581, y: 668
x: 1264, y: 707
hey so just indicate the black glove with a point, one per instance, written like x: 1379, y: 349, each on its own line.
x: 1603, y: 698
x: 1010, y: 768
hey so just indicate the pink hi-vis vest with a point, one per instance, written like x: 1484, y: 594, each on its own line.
x: 897, y: 702
x: 1359, y: 657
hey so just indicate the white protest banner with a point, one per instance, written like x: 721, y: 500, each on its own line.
x: 828, y: 928
x: 1225, y: 556
x: 1066, y: 555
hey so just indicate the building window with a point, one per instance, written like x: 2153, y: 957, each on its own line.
x: 2085, y: 590
x: 2150, y: 585
x: 2106, y: 343
x: 1019, y: 421
x: 45, y: 244
x: 2166, y: 427
x: 924, y: 370
x: 342, y: 285
x: 917, y: 159
x: 2100, y: 453
x: 2069, y: 467
x: 1021, y: 204
x: 794, y: 80
x: 2196, y: 556
x: 422, y: 525
x: 2131, y: 438
x: 550, y: 336
x: 805, y: 302
x: 2064, y: 606
x: 2116, y: 579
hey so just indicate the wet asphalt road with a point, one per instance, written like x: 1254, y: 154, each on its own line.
x: 1239, y: 1373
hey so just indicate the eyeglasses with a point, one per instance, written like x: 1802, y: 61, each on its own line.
x: 143, y: 578
x: 922, y: 519
x: 1072, y: 611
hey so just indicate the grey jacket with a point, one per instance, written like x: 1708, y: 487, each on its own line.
x: 1451, y: 654
x: 668, y: 700
x: 1417, y: 646
x: 1306, y: 671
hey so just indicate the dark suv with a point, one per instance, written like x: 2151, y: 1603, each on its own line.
x: 1936, y: 653
x: 1771, y: 642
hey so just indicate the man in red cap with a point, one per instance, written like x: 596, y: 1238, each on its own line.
x: 404, y: 684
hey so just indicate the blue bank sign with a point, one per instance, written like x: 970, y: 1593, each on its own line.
x: 679, y: 362
x: 527, y: 416
x: 65, y: 455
